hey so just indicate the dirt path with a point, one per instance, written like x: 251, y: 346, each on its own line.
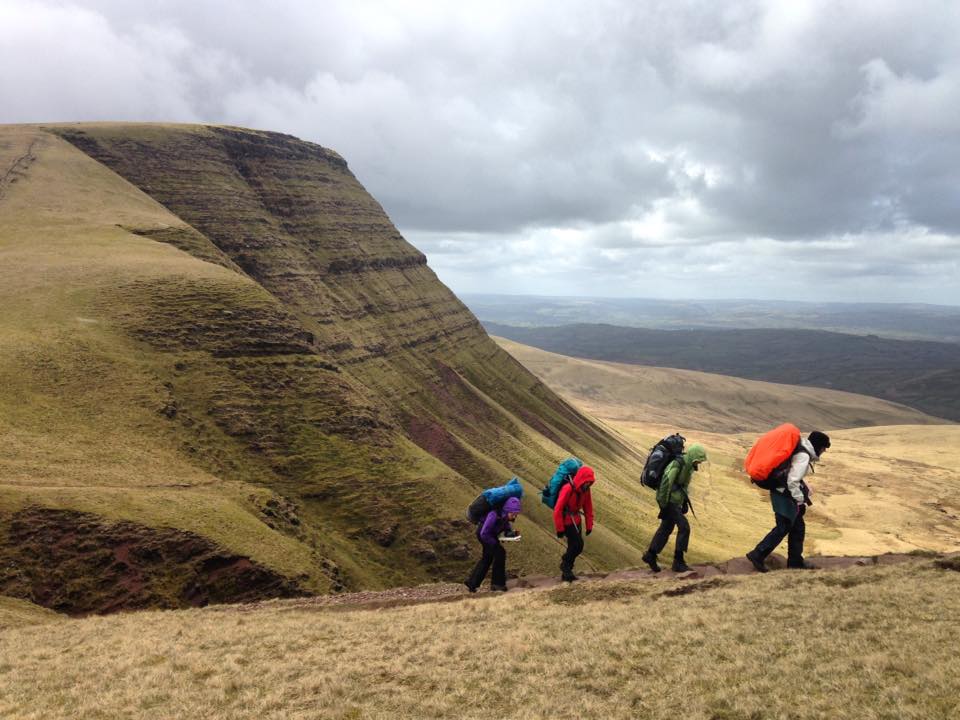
x: 452, y: 592
x: 19, y: 155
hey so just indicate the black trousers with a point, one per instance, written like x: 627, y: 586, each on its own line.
x: 574, y: 547
x: 796, y: 530
x: 492, y: 555
x: 671, y: 517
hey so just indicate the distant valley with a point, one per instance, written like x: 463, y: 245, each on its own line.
x: 920, y: 374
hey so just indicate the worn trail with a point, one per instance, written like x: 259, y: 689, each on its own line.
x: 452, y: 592
x: 22, y: 151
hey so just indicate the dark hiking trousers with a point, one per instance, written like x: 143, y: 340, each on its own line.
x: 574, y: 547
x: 492, y: 555
x: 796, y: 530
x: 671, y: 517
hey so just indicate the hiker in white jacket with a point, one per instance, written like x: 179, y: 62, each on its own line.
x: 800, y: 464
x: 789, y: 505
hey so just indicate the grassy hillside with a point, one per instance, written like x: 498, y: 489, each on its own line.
x: 892, y: 487
x: 227, y: 376
x: 849, y: 644
x: 923, y: 375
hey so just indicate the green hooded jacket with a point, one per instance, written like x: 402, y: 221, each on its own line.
x: 676, y: 478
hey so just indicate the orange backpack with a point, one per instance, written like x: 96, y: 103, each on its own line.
x: 771, y: 450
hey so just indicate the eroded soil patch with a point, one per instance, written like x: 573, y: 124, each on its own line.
x: 79, y: 563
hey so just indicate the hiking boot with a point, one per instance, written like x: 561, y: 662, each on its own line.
x: 679, y: 566
x: 650, y: 559
x: 803, y: 565
x: 471, y: 588
x: 568, y: 576
x: 498, y: 588
x: 757, y: 562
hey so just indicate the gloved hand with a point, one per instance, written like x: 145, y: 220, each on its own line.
x: 801, y: 508
x: 560, y: 533
x: 589, y: 531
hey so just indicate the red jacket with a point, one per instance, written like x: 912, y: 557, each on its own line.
x: 572, y: 500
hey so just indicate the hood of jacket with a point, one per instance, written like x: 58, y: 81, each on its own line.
x: 808, y: 449
x: 512, y: 505
x: 583, y: 478
x: 695, y: 453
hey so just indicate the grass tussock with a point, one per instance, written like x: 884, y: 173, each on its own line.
x: 784, y: 645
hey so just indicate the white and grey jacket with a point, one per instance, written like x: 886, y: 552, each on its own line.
x: 800, y: 465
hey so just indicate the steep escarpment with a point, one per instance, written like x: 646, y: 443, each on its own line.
x: 209, y: 322
x: 293, y: 217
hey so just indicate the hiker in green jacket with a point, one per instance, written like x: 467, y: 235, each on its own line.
x: 674, y: 501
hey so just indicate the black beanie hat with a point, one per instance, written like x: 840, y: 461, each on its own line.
x: 819, y: 440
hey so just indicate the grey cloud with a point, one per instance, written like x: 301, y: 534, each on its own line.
x: 661, y: 129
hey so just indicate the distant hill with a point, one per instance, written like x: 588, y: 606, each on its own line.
x: 907, y: 321
x: 226, y: 376
x: 708, y: 402
x: 919, y: 374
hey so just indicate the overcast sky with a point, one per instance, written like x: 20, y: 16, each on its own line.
x: 775, y: 150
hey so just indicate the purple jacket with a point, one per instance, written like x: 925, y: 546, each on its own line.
x: 496, y: 522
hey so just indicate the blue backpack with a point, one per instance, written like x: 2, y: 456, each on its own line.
x: 565, y: 472
x: 493, y: 498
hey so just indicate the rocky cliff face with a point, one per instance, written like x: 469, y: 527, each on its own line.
x: 303, y: 346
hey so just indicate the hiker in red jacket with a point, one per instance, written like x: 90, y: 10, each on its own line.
x: 573, y: 501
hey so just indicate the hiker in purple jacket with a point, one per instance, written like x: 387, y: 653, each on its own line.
x: 488, y: 533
